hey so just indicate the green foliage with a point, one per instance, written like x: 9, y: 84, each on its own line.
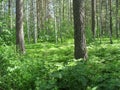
x: 6, y: 35
x: 52, y: 33
x: 6, y: 54
x: 72, y: 77
x: 47, y: 66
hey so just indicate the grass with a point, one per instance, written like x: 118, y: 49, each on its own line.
x: 49, y: 66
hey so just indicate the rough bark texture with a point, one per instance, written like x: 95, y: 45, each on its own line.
x: 79, y: 35
x: 19, y: 27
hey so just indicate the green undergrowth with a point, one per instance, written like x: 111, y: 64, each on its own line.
x: 48, y: 66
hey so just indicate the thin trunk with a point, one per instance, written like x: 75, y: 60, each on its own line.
x: 35, y: 20
x: 93, y: 17
x: 27, y: 20
x: 97, y: 18
x: 63, y: 9
x: 117, y: 22
x: 100, y: 21
x: 10, y: 15
x: 55, y: 25
x: 60, y: 32
x: 110, y: 3
x: 107, y: 28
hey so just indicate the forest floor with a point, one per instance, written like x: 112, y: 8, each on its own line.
x: 49, y: 66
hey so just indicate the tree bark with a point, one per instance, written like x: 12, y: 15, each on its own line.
x: 110, y: 4
x: 117, y: 22
x: 19, y: 27
x: 35, y: 20
x: 79, y: 29
x: 93, y: 17
x: 10, y: 14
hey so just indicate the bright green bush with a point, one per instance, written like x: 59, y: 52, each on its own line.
x: 6, y: 54
x: 6, y: 37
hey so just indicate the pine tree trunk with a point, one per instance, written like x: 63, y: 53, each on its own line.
x: 10, y: 15
x: 79, y: 29
x: 27, y: 20
x: 93, y: 17
x: 117, y: 22
x: 110, y: 2
x: 19, y: 27
x: 35, y: 20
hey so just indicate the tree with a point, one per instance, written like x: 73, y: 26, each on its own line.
x: 93, y: 17
x: 107, y: 18
x: 35, y: 20
x: 10, y: 14
x: 19, y: 27
x: 117, y: 21
x: 100, y: 21
x: 27, y: 20
x: 79, y: 35
x: 110, y: 4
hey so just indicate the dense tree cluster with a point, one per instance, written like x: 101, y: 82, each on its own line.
x: 52, y: 20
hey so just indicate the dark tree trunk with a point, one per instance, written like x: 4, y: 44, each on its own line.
x: 93, y: 17
x: 106, y: 17
x: 9, y: 11
x: 110, y: 2
x: 100, y: 21
x: 117, y: 22
x: 19, y: 27
x: 79, y: 28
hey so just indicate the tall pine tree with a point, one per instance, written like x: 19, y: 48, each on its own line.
x: 19, y: 27
x: 79, y: 29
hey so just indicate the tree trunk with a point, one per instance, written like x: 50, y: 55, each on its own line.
x: 79, y: 35
x: 10, y: 14
x: 19, y: 27
x: 93, y: 17
x: 110, y: 22
x: 117, y: 22
x: 27, y: 20
x: 35, y: 20
x: 100, y: 21
x: 107, y: 18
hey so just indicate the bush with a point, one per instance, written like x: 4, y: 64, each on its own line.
x: 72, y: 77
x: 6, y: 54
x: 6, y: 37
